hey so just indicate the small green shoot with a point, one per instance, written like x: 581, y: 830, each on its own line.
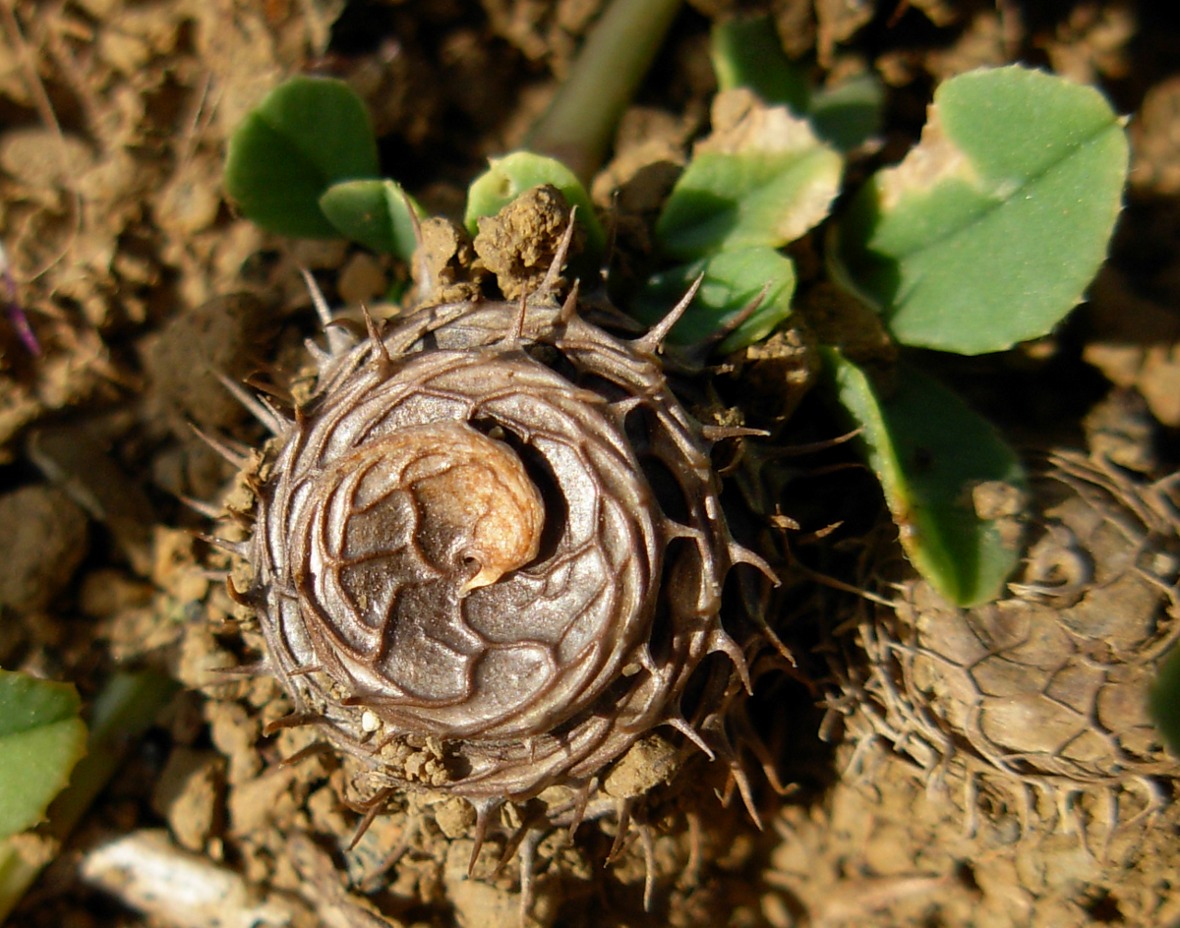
x: 41, y: 739
x: 376, y: 213
x: 307, y: 134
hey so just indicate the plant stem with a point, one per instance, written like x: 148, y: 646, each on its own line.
x: 124, y: 710
x: 577, y: 127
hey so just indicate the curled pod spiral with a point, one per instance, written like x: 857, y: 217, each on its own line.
x: 1045, y: 690
x: 489, y: 552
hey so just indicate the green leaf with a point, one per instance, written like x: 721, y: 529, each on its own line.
x: 732, y: 281
x: 122, y: 711
x: 307, y: 134
x: 747, y: 52
x: 41, y: 739
x: 938, y: 461
x: 374, y: 213
x: 761, y: 179
x: 1164, y: 701
x: 989, y: 231
x: 510, y: 176
x: 848, y: 114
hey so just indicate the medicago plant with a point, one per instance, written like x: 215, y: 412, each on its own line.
x: 984, y: 236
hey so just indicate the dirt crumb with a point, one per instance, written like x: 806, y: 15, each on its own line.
x: 106, y: 593
x: 363, y: 280
x: 224, y: 337
x: 1155, y: 135
x: 265, y: 801
x: 234, y: 732
x: 1121, y: 429
x: 649, y: 762
x: 188, y: 795
x: 443, y: 263
x: 483, y: 905
x: 44, y: 541
x: 519, y: 243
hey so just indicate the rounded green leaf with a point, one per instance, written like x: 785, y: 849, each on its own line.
x: 41, y: 739
x: 761, y: 179
x: 375, y: 213
x: 849, y: 114
x: 1164, y: 701
x: 989, y: 231
x: 747, y: 52
x: 733, y: 280
x: 938, y: 461
x: 510, y: 176
x: 306, y: 134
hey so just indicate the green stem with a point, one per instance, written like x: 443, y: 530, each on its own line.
x: 577, y: 127
x: 124, y: 710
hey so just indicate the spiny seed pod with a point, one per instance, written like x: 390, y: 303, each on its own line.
x: 489, y: 553
x: 1046, y: 689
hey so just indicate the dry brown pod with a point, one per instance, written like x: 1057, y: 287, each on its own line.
x: 1043, y: 694
x: 488, y: 558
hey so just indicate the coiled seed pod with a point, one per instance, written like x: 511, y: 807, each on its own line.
x: 1044, y: 691
x: 490, y: 550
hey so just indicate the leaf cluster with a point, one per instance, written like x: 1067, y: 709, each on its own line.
x: 985, y: 235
